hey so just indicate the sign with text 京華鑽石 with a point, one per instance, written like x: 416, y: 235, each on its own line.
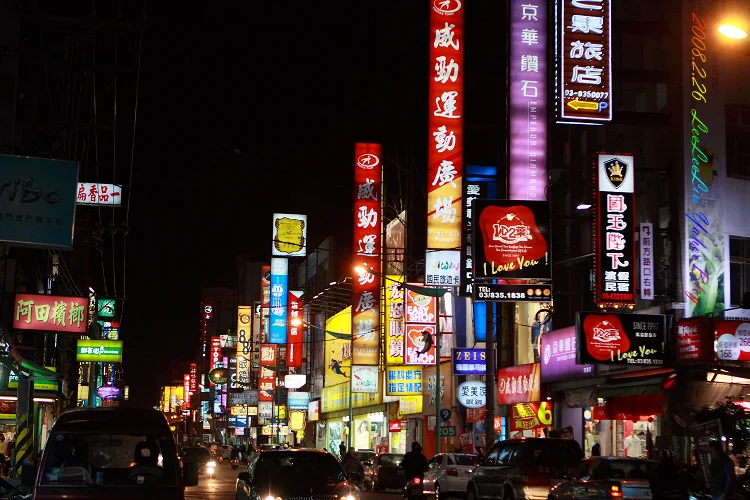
x: 50, y: 313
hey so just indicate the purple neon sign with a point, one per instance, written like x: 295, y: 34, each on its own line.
x: 528, y: 100
x: 559, y: 356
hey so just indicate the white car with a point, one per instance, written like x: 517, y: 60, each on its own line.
x: 448, y: 474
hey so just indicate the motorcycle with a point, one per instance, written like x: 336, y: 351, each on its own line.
x: 235, y: 463
x: 413, y: 489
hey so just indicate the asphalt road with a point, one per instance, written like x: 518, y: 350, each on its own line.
x: 219, y: 487
x: 383, y: 495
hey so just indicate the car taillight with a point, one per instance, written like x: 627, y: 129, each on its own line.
x: 417, y: 480
x: 451, y: 472
x: 615, y: 491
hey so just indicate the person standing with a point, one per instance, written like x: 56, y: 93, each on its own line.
x: 3, y: 451
x: 633, y: 445
x: 720, y: 471
x: 342, y: 450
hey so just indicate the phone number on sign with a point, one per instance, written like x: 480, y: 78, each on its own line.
x: 587, y: 94
x: 501, y: 295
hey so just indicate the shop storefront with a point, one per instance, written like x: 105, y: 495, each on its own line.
x: 369, y: 429
x: 519, y: 391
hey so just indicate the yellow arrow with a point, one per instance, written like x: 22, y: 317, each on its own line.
x: 576, y: 104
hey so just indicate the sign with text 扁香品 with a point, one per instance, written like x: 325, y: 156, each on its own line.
x: 37, y: 201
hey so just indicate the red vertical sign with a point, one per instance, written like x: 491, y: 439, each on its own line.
x: 296, y: 331
x: 368, y: 179
x: 445, y: 134
x: 267, y: 374
x: 193, y: 377
x: 265, y: 300
x: 215, y: 360
x: 186, y: 392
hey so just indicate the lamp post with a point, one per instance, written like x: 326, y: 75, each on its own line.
x: 436, y: 292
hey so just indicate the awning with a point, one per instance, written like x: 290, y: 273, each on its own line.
x: 632, y: 387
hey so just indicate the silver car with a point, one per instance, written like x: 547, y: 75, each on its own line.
x: 606, y: 477
x: 448, y: 474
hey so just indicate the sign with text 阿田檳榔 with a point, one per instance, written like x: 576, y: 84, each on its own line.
x: 511, y: 239
x: 50, y: 313
x: 278, y: 307
x: 584, y: 61
x: 289, y: 235
x: 620, y: 339
x: 403, y: 380
x: 527, y: 100
x: 445, y: 169
x: 96, y: 193
x: 105, y: 351
x: 37, y: 201
x: 368, y: 230
x: 469, y: 362
x: 614, y: 231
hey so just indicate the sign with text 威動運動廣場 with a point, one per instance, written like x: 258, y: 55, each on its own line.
x: 50, y: 313
x: 445, y: 169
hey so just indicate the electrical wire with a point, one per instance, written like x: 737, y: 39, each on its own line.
x: 96, y: 162
x: 132, y: 156
x: 114, y: 157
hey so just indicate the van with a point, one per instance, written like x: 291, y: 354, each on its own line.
x: 112, y: 452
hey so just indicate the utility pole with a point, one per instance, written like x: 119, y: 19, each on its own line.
x: 438, y: 385
x: 490, y: 374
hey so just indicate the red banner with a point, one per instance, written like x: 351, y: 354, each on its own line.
x: 368, y: 230
x: 266, y: 375
x: 445, y: 134
x: 296, y: 332
x: 50, y: 313
x: 518, y: 384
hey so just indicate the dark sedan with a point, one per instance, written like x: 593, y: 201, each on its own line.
x: 606, y: 477
x: 385, y: 472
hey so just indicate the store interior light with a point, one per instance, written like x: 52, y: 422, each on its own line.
x: 732, y: 31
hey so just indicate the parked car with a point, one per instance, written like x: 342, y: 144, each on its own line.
x: 448, y: 474
x: 524, y: 468
x: 385, y: 472
x: 292, y: 474
x: 365, y: 457
x: 605, y: 477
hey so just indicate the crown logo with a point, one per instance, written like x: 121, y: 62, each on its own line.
x: 616, y: 169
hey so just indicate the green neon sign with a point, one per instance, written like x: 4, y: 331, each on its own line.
x: 109, y: 351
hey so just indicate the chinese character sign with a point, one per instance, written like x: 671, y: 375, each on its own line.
x: 193, y: 377
x: 265, y: 301
x: 104, y: 351
x: 278, y: 306
x: 527, y: 97
x: 420, y: 321
x: 511, y: 239
x: 92, y: 193
x: 50, y: 313
x: 186, y: 390
x: 647, y: 260
x: 289, y: 235
x: 732, y: 340
x: 584, y: 79
x: 215, y: 360
x: 244, y: 352
x: 37, y: 202
x: 518, y: 384
x: 614, y: 231
x: 267, y: 375
x: 445, y: 125
x: 442, y: 267
x: 296, y: 329
x: 472, y: 191
x: 559, y: 357
x: 403, y: 380
x: 469, y: 362
x: 368, y: 228
x: 394, y: 320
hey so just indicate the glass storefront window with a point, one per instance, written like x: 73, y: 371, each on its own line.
x: 530, y: 326
x: 621, y: 438
x: 336, y: 435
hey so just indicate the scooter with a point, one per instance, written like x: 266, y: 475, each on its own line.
x: 235, y: 463
x: 413, y: 489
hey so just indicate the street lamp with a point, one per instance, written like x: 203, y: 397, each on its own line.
x: 732, y: 31
x: 436, y: 292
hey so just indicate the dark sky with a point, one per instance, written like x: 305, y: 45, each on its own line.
x: 291, y: 86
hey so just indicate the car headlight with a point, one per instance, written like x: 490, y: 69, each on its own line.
x: 348, y: 497
x: 211, y: 464
x: 271, y: 497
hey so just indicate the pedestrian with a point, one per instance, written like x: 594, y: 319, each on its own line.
x: 3, y: 451
x: 414, y: 462
x: 596, y: 450
x: 721, y: 472
x: 342, y: 450
x: 352, y: 465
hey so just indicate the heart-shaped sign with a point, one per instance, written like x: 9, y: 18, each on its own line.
x: 605, y: 336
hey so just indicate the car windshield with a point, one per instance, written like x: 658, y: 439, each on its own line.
x: 466, y: 459
x: 391, y: 459
x: 553, y: 453
x: 110, y: 460
x: 195, y: 454
x: 365, y: 455
x: 274, y: 469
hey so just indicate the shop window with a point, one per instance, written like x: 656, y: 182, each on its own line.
x: 530, y: 325
x: 738, y: 141
x: 739, y: 268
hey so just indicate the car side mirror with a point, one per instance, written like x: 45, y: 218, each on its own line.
x: 190, y: 473
x: 244, y: 476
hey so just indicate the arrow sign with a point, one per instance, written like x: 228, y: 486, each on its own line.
x: 576, y: 104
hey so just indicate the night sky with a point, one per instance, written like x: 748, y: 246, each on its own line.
x: 247, y: 108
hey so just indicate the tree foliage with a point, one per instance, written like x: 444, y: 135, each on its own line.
x: 734, y: 423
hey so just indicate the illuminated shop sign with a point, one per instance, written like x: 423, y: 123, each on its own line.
x: 278, y: 307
